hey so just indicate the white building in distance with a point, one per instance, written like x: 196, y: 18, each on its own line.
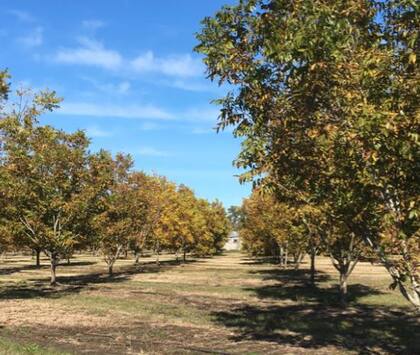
x: 233, y: 243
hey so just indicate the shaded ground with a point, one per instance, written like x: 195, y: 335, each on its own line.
x: 228, y: 304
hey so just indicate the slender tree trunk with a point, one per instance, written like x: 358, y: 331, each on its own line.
x: 313, y: 255
x: 281, y: 256
x: 54, y: 262
x: 298, y: 260
x: 68, y: 261
x: 343, y: 288
x: 38, y: 257
x: 137, y: 257
x: 285, y: 256
x: 110, y: 268
x: 414, y: 296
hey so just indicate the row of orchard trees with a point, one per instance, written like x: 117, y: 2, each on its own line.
x: 325, y: 95
x: 57, y: 197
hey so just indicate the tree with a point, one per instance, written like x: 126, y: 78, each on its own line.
x: 45, y: 175
x: 145, y: 201
x: 234, y: 213
x: 315, y: 100
x: 114, y: 224
x: 265, y: 226
x: 218, y: 225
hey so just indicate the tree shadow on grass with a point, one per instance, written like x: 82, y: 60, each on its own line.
x: 69, y: 284
x: 260, y: 260
x: 21, y: 268
x: 15, y: 269
x: 310, y: 317
x: 365, y: 329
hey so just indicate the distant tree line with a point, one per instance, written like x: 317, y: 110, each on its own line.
x: 325, y: 96
x: 57, y: 197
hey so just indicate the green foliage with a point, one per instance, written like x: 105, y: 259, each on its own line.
x: 325, y: 96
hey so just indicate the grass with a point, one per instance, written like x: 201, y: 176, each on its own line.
x: 226, y: 304
x: 8, y: 346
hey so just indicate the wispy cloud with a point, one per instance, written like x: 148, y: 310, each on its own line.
x: 181, y: 65
x: 95, y: 131
x: 198, y: 130
x: 198, y: 114
x: 120, y: 88
x: 90, y: 52
x: 32, y: 39
x: 191, y: 86
x: 22, y: 16
x: 152, y: 152
x: 130, y: 111
x: 93, y: 24
x: 117, y: 111
x: 150, y: 126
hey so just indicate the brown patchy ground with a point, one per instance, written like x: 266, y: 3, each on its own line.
x: 228, y: 304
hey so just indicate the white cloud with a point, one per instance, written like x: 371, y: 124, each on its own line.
x: 183, y: 65
x: 90, y: 53
x: 93, y: 24
x: 33, y: 39
x: 22, y: 16
x: 121, y: 88
x: 200, y: 114
x: 150, y: 126
x: 97, y: 132
x: 135, y: 111
x: 151, y: 152
x: 118, y: 111
x: 203, y: 130
x: 191, y: 86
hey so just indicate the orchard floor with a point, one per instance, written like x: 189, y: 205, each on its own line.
x: 229, y: 304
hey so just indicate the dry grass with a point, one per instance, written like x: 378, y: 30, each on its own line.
x: 226, y: 304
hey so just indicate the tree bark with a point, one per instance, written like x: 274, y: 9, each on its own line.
x: 137, y: 257
x: 110, y: 269
x: 313, y: 255
x: 343, y: 288
x: 281, y: 256
x: 414, y: 296
x: 286, y: 256
x: 38, y: 257
x: 54, y: 262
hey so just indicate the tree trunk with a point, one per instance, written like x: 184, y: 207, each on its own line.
x: 137, y: 257
x: 185, y: 256
x: 68, y: 261
x: 414, y: 296
x: 38, y: 257
x: 110, y: 270
x: 285, y: 256
x: 54, y: 262
x: 343, y: 288
x: 281, y: 256
x: 313, y: 255
x: 298, y: 259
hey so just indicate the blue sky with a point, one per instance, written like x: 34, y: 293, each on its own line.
x: 129, y: 77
